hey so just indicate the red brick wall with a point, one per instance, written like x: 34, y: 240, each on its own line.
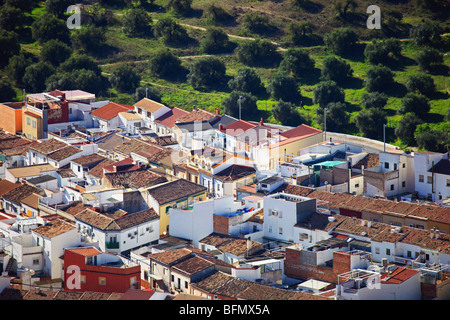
x: 341, y: 262
x: 294, y: 268
x: 220, y: 224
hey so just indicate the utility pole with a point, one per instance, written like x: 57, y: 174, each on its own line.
x: 239, y: 100
x: 325, y: 122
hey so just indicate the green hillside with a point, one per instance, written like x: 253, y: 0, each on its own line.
x: 111, y: 36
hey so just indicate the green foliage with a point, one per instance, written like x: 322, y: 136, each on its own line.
x: 217, y: 15
x: 426, y: 33
x: 80, y: 79
x: 337, y: 116
x: 11, y: 18
x: 182, y: 7
x: 375, y: 100
x: 170, y: 32
x: 48, y: 27
x: 379, y: 78
x: 282, y: 86
x: 299, y: 32
x: 55, y: 52
x: 406, y: 128
x: 149, y: 93
x: 327, y: 92
x: 370, y: 122
x: 36, y: 75
x: 79, y: 61
x: 434, y: 139
x: 9, y: 46
x: 215, y: 41
x: 335, y: 69
x: 16, y: 67
x: 287, y: 114
x: 125, y: 78
x: 382, y: 52
x: 257, y: 23
x: 341, y: 41
x: 7, y: 92
x: 90, y: 39
x: 428, y: 57
x: 414, y: 103
x: 57, y: 7
x: 206, y: 73
x: 258, y: 53
x: 248, y: 105
x: 297, y: 61
x: 136, y: 23
x: 421, y: 83
x: 246, y: 80
x: 165, y: 64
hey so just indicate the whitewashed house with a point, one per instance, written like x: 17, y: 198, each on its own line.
x: 120, y: 231
x: 54, y: 237
x: 282, y: 212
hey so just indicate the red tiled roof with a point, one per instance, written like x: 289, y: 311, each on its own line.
x: 86, y: 251
x: 399, y: 275
x: 238, y: 127
x: 168, y: 119
x: 300, y: 131
x: 111, y: 110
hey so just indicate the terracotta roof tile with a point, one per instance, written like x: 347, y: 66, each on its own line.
x: 111, y: 110
x: 175, y: 190
x: 398, y: 275
x: 169, y: 118
x: 149, y: 105
x: 48, y: 146
x: 54, y: 228
x: 197, y: 115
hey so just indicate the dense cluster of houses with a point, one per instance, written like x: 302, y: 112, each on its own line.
x: 101, y: 200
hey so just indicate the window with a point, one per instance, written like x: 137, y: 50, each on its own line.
x: 357, y: 185
x: 448, y: 182
x: 28, y: 121
x: 34, y: 123
x: 377, y: 250
x: 421, y: 178
x: 392, y: 187
x: 403, y: 184
x: 409, y: 254
x: 395, y: 166
x: 386, y: 165
x: 388, y: 251
x: 404, y: 165
x: 102, y: 281
x: 429, y: 179
x: 186, y: 284
x: 270, y: 229
x: 280, y: 230
x: 35, y: 262
x: 173, y: 278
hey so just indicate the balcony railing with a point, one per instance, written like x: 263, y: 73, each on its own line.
x: 112, y: 245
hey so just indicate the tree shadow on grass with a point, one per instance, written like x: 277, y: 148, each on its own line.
x: 432, y: 117
x: 397, y: 90
x: 356, y: 54
x: 400, y: 63
x: 352, y: 83
x: 311, y: 77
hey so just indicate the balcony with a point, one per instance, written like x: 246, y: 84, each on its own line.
x: 112, y: 245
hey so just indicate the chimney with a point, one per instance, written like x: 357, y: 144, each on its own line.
x: 261, y: 122
x: 431, y: 233
x: 220, y: 127
x: 217, y: 111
